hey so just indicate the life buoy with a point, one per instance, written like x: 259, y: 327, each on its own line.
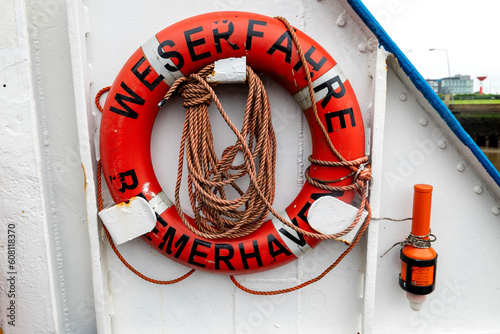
x: 185, y: 48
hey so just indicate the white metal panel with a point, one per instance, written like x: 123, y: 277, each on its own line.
x: 26, y: 250
x: 206, y: 301
x: 61, y: 162
x: 78, y: 28
x: 377, y: 149
x: 465, y: 299
x: 41, y: 172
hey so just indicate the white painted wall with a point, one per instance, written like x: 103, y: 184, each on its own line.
x: 41, y: 177
x: 463, y: 219
x: 55, y: 56
x: 210, y: 302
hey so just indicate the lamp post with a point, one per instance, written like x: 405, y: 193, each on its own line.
x: 449, y: 73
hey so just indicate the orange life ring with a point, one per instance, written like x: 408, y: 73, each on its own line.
x: 185, y: 48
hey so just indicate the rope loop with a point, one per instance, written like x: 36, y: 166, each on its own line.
x: 98, y: 97
x: 361, y: 171
x: 416, y: 241
x: 419, y: 241
x: 100, y: 206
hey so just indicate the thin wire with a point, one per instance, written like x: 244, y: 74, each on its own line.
x: 392, y: 219
x: 416, y: 241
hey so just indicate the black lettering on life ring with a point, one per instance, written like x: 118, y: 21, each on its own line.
x: 253, y: 33
x: 336, y: 193
x: 331, y: 90
x: 168, y: 238
x: 133, y: 97
x: 142, y: 75
x: 287, y: 50
x: 298, y: 238
x: 255, y: 254
x: 272, y: 242
x: 192, y: 44
x: 340, y: 114
x: 128, y: 180
x: 195, y: 252
x: 171, y: 54
x: 218, y: 257
x: 218, y: 36
x: 316, y: 66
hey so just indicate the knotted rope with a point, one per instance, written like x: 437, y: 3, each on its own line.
x: 216, y: 215
x: 416, y: 241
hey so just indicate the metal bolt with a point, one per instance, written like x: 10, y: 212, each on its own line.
x: 342, y: 19
x: 423, y: 121
x: 460, y: 167
x: 362, y: 47
x: 442, y: 144
x: 403, y: 97
x: 368, y: 46
x: 478, y: 190
x: 496, y: 210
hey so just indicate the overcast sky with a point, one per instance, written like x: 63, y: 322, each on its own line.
x: 468, y: 30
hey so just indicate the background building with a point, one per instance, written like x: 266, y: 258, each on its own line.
x: 458, y: 84
x: 434, y: 83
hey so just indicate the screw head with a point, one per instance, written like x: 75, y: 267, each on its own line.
x: 342, y: 20
x: 442, y: 144
x: 478, y: 189
x: 496, y: 210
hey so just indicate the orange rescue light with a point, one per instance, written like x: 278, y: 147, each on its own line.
x: 418, y: 258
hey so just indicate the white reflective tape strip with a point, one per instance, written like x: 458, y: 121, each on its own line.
x: 229, y: 71
x: 304, y: 99
x: 283, y: 230
x: 150, y: 50
x: 160, y: 203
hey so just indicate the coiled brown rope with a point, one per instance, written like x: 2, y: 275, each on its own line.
x: 208, y: 176
x: 216, y: 215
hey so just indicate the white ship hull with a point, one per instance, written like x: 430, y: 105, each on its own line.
x: 57, y: 271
